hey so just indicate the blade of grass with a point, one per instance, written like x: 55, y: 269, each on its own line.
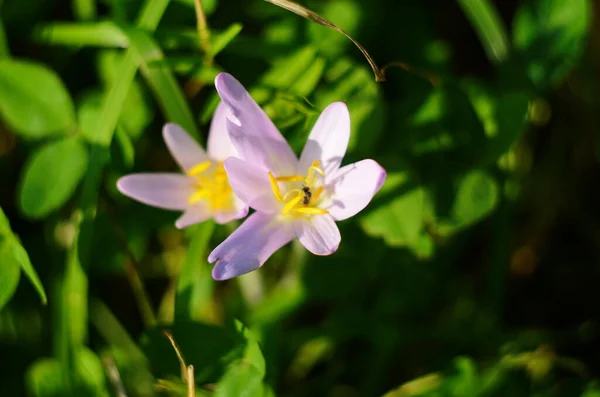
x: 161, y: 79
x: 195, y: 284
x: 487, y: 24
x: 316, y: 18
x: 98, y: 34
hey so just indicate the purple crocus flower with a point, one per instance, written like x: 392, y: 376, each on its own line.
x: 203, y: 191
x: 293, y: 198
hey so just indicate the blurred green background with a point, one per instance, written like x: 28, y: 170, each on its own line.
x: 474, y: 272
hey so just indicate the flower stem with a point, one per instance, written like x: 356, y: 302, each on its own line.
x: 203, y: 31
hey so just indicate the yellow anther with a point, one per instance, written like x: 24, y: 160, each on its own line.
x: 293, y: 178
x: 316, y: 194
x: 289, y: 194
x: 275, y: 188
x: 312, y: 211
x: 199, y: 168
x: 290, y: 204
x: 197, y: 196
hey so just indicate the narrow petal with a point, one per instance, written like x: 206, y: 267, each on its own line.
x: 353, y: 187
x: 251, y: 121
x: 251, y: 184
x: 184, y: 149
x: 219, y: 145
x: 249, y: 246
x: 240, y: 210
x: 319, y: 234
x: 328, y: 139
x: 169, y: 191
x: 195, y: 214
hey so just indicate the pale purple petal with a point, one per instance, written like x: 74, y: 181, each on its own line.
x: 184, y: 149
x: 169, y: 191
x: 249, y: 246
x: 240, y: 210
x: 251, y: 184
x: 318, y: 233
x: 219, y: 145
x: 195, y: 214
x: 270, y: 149
x: 328, y: 140
x: 352, y: 188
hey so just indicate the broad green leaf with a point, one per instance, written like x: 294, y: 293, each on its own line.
x: 51, y: 176
x: 344, y: 13
x: 398, y: 222
x: 466, y: 382
x: 241, y: 380
x: 89, y: 373
x: 46, y: 378
x: 10, y: 270
x: 195, y: 284
x: 97, y: 34
x: 476, y: 197
x: 551, y: 35
x: 285, y: 71
x: 33, y: 99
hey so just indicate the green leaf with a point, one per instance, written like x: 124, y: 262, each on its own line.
x: 476, y: 197
x: 51, y: 176
x: 489, y: 27
x: 22, y: 258
x: 9, y: 270
x: 17, y: 253
x: 97, y: 34
x: 222, y: 39
x: 551, y: 35
x: 252, y: 354
x: 45, y: 378
x: 33, y: 99
x: 241, y: 380
x: 195, y: 284
x: 398, y: 222
x: 466, y: 382
x: 89, y: 373
x: 208, y: 348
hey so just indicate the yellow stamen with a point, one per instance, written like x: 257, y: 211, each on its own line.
x: 314, y: 168
x: 197, y: 196
x: 275, y: 188
x: 291, y: 204
x: 311, y: 211
x: 316, y: 194
x: 293, y: 178
x: 287, y: 196
x: 200, y: 168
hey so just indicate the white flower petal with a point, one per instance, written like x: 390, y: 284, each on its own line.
x: 219, y: 145
x: 352, y: 188
x: 318, y: 233
x: 169, y: 191
x: 184, y: 149
x: 195, y: 214
x: 251, y: 184
x: 249, y: 246
x: 328, y: 140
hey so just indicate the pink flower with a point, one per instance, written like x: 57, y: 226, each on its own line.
x: 203, y: 191
x: 293, y: 198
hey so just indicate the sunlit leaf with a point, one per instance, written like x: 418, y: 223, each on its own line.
x: 46, y: 378
x: 33, y: 99
x: 551, y: 35
x: 241, y: 379
x: 51, y: 176
x: 10, y: 270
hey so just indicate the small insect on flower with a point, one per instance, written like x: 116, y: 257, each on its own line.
x: 293, y: 198
x: 203, y: 191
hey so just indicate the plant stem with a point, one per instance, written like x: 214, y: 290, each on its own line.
x: 203, y: 31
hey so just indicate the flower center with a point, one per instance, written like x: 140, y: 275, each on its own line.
x: 301, y: 200
x: 211, y: 185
